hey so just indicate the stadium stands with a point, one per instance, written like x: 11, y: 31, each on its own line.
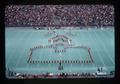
x: 18, y: 75
x: 66, y: 15
x: 56, y: 17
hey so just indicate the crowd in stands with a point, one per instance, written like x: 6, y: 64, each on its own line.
x: 13, y: 74
x: 59, y: 15
x: 50, y: 75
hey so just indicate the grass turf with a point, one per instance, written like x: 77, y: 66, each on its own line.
x: 19, y: 41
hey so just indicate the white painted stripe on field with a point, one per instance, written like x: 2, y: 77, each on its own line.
x: 106, y: 50
x: 81, y: 58
x: 90, y: 38
x: 70, y: 63
x: 110, y: 34
x: 27, y: 41
x: 98, y: 53
x: 49, y: 64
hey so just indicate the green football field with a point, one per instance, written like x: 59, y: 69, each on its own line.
x: 19, y: 41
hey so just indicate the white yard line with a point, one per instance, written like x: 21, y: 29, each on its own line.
x: 104, y: 47
x: 88, y: 53
x: 92, y: 40
x: 49, y: 64
x: 97, y: 51
x: 108, y: 54
x: 70, y: 63
x: 28, y: 49
x: 113, y: 35
x: 81, y: 58
x: 81, y: 64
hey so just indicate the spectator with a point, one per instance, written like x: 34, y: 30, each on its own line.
x: 59, y: 15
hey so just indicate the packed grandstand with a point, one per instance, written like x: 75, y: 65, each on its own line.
x: 65, y: 15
